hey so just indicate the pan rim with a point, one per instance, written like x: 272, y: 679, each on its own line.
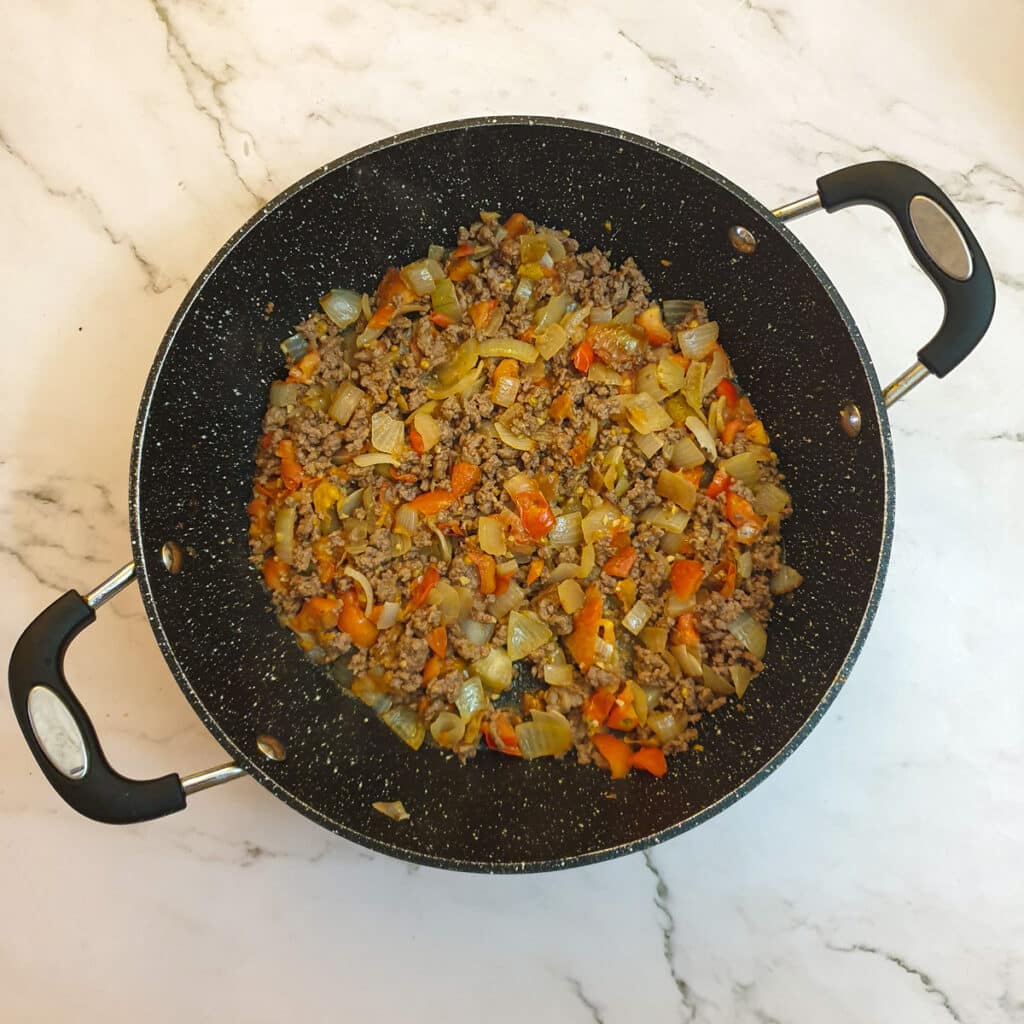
x: 143, y: 563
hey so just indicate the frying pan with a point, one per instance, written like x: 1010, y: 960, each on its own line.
x: 283, y: 720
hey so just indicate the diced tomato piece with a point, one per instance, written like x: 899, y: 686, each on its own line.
x: 533, y: 573
x: 502, y: 583
x: 486, y: 569
x: 437, y: 640
x: 516, y: 225
x: 535, y: 512
x: 623, y: 713
x: 463, y: 249
x: 650, y: 320
x: 685, y: 631
x: 580, y: 449
x: 316, y: 613
x: 756, y: 432
x: 622, y: 562
x: 694, y: 475
x: 685, y: 578
x: 730, y: 430
x: 500, y: 734
x: 528, y: 334
x: 581, y: 643
x: 465, y: 476
x: 432, y: 668
x: 440, y: 320
x: 304, y: 369
x: 430, y: 503
x: 747, y: 522
x: 425, y: 586
x: 560, y: 407
x: 720, y: 483
x: 266, y: 441
x: 583, y: 357
x: 597, y: 707
x: 383, y: 315
x: 354, y: 621
x: 650, y: 759
x: 615, y: 752
x: 460, y: 269
x: 416, y: 441
x: 275, y: 573
x: 481, y: 312
x: 727, y: 390
x: 259, y: 515
x: 393, y: 286
x: 291, y: 471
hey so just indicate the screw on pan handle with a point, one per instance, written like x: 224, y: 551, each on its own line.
x: 59, y: 732
x: 939, y: 239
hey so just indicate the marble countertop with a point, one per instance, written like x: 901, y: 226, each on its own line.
x: 876, y: 877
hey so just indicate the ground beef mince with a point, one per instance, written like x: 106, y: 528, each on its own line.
x: 514, y: 503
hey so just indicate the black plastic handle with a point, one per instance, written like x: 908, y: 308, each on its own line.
x: 970, y: 302
x: 97, y: 791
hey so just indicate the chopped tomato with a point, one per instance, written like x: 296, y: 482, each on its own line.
x: 460, y: 269
x: 650, y: 320
x: 581, y: 643
x: 560, y: 407
x: 694, y: 475
x: 685, y: 578
x: 316, y: 613
x: 533, y: 574
x: 727, y: 390
x: 392, y: 286
x: 728, y: 571
x: 465, y: 476
x: 382, y: 317
x: 486, y: 569
x: 304, y: 369
x: 416, y: 441
x: 650, y: 759
x: 720, y: 483
x: 432, y: 668
x: 440, y: 320
x: 535, y: 512
x: 437, y: 640
x: 730, y: 430
x: 597, y: 706
x: 625, y: 591
x: 275, y: 573
x: 583, y: 357
x: 500, y: 734
x: 425, y: 586
x: 354, y: 621
x: 685, y: 631
x: 622, y: 562
x: 430, y: 503
x: 259, y: 515
x: 326, y: 569
x: 747, y: 522
x: 501, y: 583
x: 623, y: 713
x: 463, y: 249
x: 580, y: 448
x: 745, y: 411
x: 481, y: 312
x: 615, y: 752
x: 756, y: 432
x: 516, y: 225
x: 291, y: 471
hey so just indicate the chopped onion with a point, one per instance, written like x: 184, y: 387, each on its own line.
x: 551, y: 312
x: 494, y: 670
x: 750, y: 633
x: 342, y: 306
x: 505, y: 392
x: 715, y: 416
x: 460, y: 386
x: 345, y: 403
x: 517, y: 441
x: 741, y: 676
x: 491, y: 535
x: 599, y: 373
x: 395, y: 810
x: 673, y: 520
x: 716, y: 683
x: 294, y: 346
x: 689, y: 661
x: 551, y: 340
x: 375, y: 459
x: 508, y: 348
x: 686, y: 455
x: 745, y: 564
x: 598, y: 522
x: 571, y: 596
x: 770, y: 499
x: 703, y: 437
x: 681, y: 311
x: 600, y: 315
x: 649, y: 444
x: 671, y: 375
x: 699, y: 342
x: 626, y: 315
x: 693, y: 390
x: 364, y: 585
x: 447, y: 729
x: 283, y: 393
x: 524, y: 290
x: 640, y: 701
x: 423, y: 276
x: 502, y: 604
x: 784, y: 579
x: 637, y: 617
x: 284, y: 534
x: 388, y: 614
x: 553, y: 242
x: 558, y: 675
x: 563, y: 571
x: 647, y: 382
x: 717, y: 371
x: 445, y: 300
x: 406, y: 519
x: 644, y: 414
x: 447, y: 600
x: 471, y: 698
x: 654, y: 638
x: 604, y: 653
x: 406, y: 724
x: 532, y: 246
x: 462, y: 361
x: 386, y: 433
x: 526, y: 633
x: 444, y: 547
x: 355, y: 500
x: 666, y: 725
x: 428, y: 428
x: 435, y: 252
x: 675, y: 606
x: 587, y: 561
x: 567, y: 531
x: 547, y: 735
x: 744, y: 467
x: 478, y: 633
x: 574, y: 324
x: 676, y: 488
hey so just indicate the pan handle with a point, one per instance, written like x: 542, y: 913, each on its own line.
x: 60, y: 734
x: 939, y: 240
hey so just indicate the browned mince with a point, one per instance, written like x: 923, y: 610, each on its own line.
x: 396, y: 371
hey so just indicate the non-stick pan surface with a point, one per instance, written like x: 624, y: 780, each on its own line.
x: 793, y: 344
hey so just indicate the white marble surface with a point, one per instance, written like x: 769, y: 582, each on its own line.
x: 876, y: 877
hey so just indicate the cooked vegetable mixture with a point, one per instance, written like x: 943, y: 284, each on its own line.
x: 515, y: 502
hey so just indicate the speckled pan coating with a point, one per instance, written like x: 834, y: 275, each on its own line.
x: 793, y: 344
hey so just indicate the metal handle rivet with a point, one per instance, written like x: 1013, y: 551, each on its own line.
x: 172, y: 557
x: 742, y: 239
x: 850, y: 419
x: 270, y: 747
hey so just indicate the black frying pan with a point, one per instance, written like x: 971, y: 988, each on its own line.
x: 793, y: 344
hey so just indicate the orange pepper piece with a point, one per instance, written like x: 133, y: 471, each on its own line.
x: 581, y: 643
x: 392, y: 286
x: 461, y: 268
x: 615, y: 752
x: 597, y: 707
x: 486, y: 569
x: 730, y: 430
x: 756, y: 432
x: 559, y: 408
x: 430, y: 503
x: 480, y: 312
x: 535, y: 513
x: 291, y: 471
x: 729, y: 579
x: 500, y: 734
x: 304, y: 369
x: 425, y: 586
x: 440, y: 320
x: 275, y: 572
x: 580, y: 448
x: 516, y: 225
x: 747, y: 522
x: 533, y: 573
x: 505, y: 368
x: 583, y: 357
x: 437, y: 640
x: 382, y: 317
x: 650, y: 759
x: 502, y: 583
x: 685, y: 631
x: 316, y: 613
x: 622, y: 562
x: 259, y: 515
x: 727, y: 390
x: 354, y: 621
x: 623, y: 713
x: 416, y: 441
x: 463, y: 249
x: 654, y: 327
x: 720, y: 483
x: 685, y: 577
x: 432, y: 668
x: 465, y: 476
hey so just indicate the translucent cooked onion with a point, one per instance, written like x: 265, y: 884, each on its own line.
x: 784, y: 579
x: 478, y: 633
x: 600, y: 315
x: 423, y: 276
x: 676, y: 488
x: 645, y: 414
x: 406, y: 724
x: 471, y: 698
x: 353, y: 501
x: 551, y: 312
x: 524, y: 290
x: 679, y: 311
x: 447, y: 729
x: 284, y: 534
x: 342, y: 306
x: 601, y: 374
x: 715, y: 683
x: 770, y: 500
x: 508, y: 348
x: 443, y: 544
x: 462, y: 361
x: 502, y: 604
x: 671, y: 375
x: 447, y: 600
x: 386, y: 433
x: 667, y: 517
x: 639, y: 701
x: 554, y: 243
x: 604, y: 653
x: 570, y: 595
x: 703, y: 438
x: 445, y: 300
x: 675, y: 606
x: 699, y: 342
x: 494, y: 670
x: 637, y: 617
x: 406, y: 519
x: 750, y: 633
x: 745, y: 564
x: 375, y: 459
x: 491, y: 535
x: 744, y: 467
x: 364, y: 585
x: 689, y: 661
x: 388, y: 614
x: 563, y: 571
x: 717, y: 371
x: 693, y: 390
x: 598, y: 522
x: 647, y: 382
x: 526, y: 633
x: 428, y: 428
x: 654, y: 638
x: 345, y: 403
x: 283, y: 393
x: 567, y: 531
x: 558, y: 675
x: 685, y: 454
x: 741, y: 676
x: 506, y: 390
x: 517, y: 441
x: 435, y: 252
x: 551, y: 340
x: 649, y: 444
x: 395, y: 809
x: 548, y: 734
x: 666, y: 725
x: 294, y: 346
x: 459, y: 387
x: 626, y: 315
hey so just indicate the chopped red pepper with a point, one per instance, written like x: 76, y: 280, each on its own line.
x: 747, y: 522
x: 730, y: 430
x: 430, y: 503
x: 622, y: 562
x: 481, y: 312
x: 500, y: 734
x: 465, y: 476
x: 382, y: 317
x: 615, y: 752
x: 720, y: 483
x: 437, y: 640
x: 581, y: 643
x: 486, y: 569
x: 259, y: 515
x: 316, y: 613
x: 416, y: 441
x: 393, y: 286
x: 535, y: 513
x: 685, y: 578
x: 580, y: 448
x: 650, y: 759
x: 583, y: 357
x: 304, y: 369
x: 440, y: 320
x: 623, y: 713
x: 425, y: 586
x: 597, y: 707
x: 533, y: 573
x: 685, y: 631
x: 727, y: 390
x: 463, y: 249
x: 516, y: 225
x: 355, y: 623
x: 650, y: 320
x: 502, y: 583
